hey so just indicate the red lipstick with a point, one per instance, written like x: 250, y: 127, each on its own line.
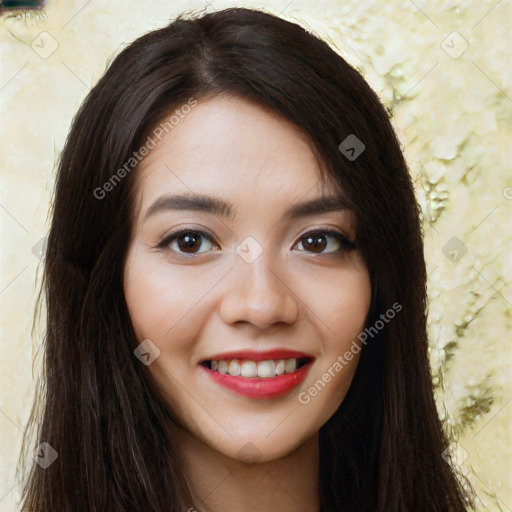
x: 259, y: 355
x: 260, y: 387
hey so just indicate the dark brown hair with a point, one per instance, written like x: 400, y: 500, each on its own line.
x: 382, y: 449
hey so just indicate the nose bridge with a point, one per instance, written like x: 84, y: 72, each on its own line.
x: 258, y: 293
x: 259, y: 276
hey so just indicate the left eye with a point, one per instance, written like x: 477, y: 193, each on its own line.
x: 318, y: 241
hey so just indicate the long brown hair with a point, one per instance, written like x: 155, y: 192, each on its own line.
x: 382, y: 450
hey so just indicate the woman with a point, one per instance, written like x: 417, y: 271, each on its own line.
x: 236, y: 288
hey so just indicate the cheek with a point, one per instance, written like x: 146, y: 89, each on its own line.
x: 157, y: 295
x: 147, y: 298
x: 348, y: 314
x: 343, y: 308
x: 159, y: 299
x: 341, y: 303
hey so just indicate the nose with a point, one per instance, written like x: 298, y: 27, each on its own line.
x: 258, y: 294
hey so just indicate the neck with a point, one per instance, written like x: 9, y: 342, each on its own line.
x: 219, y: 483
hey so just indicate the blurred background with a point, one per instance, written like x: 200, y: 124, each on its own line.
x: 442, y: 68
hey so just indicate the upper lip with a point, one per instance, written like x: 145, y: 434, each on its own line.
x: 259, y: 355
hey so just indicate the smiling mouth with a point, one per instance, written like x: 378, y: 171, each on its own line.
x: 247, y: 368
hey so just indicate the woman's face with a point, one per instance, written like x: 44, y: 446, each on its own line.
x: 251, y: 309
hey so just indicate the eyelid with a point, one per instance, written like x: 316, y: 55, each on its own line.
x: 188, y: 229
x: 329, y: 230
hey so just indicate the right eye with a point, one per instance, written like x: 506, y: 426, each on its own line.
x: 187, y: 241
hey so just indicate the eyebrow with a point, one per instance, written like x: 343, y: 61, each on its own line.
x: 220, y: 207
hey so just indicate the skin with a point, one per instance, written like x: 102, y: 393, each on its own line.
x: 291, y: 296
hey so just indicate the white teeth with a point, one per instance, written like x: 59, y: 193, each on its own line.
x: 251, y: 369
x: 290, y: 365
x: 266, y: 369
x: 234, y: 368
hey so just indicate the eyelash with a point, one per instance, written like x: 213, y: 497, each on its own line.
x: 346, y: 244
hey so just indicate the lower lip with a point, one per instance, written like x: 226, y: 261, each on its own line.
x: 261, y: 387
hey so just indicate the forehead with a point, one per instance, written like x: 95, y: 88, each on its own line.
x: 230, y: 147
